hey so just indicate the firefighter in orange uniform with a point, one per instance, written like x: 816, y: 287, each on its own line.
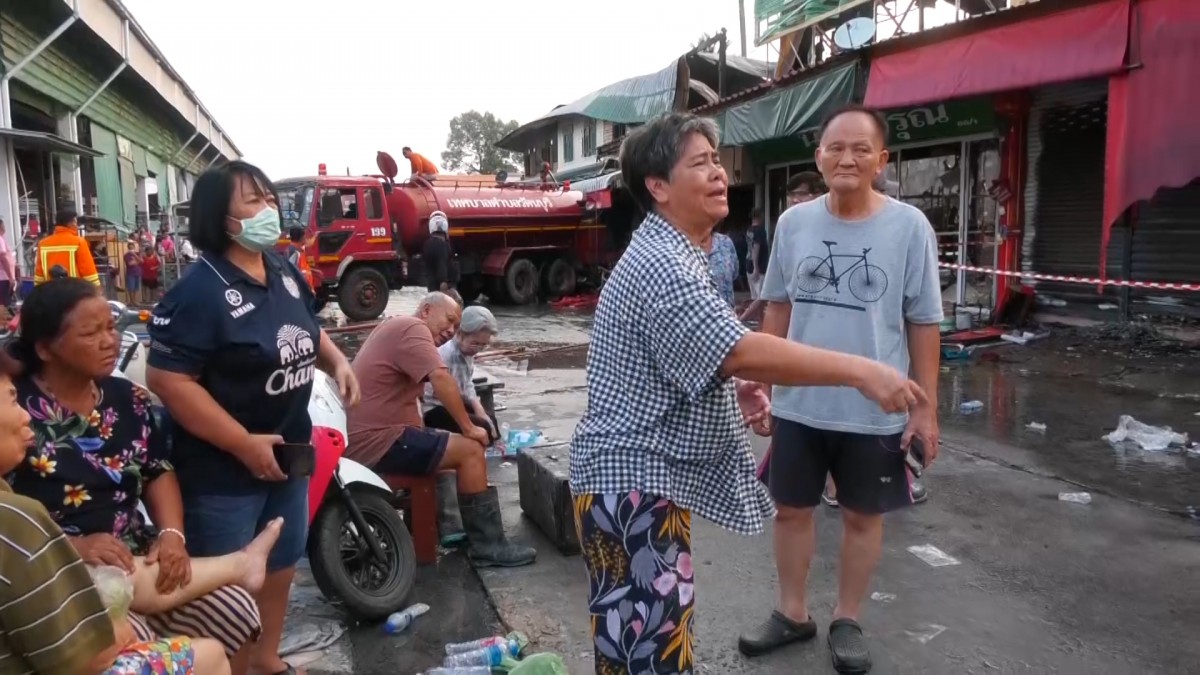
x: 65, y: 249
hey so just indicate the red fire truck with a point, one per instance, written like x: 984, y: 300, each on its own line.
x: 515, y: 242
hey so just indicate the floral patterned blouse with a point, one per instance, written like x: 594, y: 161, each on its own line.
x: 89, y: 472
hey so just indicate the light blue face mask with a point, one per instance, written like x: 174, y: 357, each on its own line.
x: 261, y: 232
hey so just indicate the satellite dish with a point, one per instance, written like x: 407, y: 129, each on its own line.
x: 855, y: 33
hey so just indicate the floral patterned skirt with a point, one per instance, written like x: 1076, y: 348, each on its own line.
x: 638, y: 552
x: 170, y: 656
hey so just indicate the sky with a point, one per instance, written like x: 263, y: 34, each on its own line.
x: 295, y: 84
x: 298, y: 84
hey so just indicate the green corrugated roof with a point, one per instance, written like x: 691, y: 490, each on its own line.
x: 631, y: 101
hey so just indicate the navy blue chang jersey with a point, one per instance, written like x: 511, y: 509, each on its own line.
x: 252, y: 347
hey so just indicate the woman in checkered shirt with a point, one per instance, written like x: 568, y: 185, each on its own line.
x: 673, y: 381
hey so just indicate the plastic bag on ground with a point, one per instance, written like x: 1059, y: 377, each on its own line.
x: 545, y: 663
x: 115, y: 588
x: 1145, y: 436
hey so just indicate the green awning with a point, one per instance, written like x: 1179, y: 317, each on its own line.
x: 787, y: 112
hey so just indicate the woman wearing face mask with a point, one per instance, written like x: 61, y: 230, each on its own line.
x: 233, y: 348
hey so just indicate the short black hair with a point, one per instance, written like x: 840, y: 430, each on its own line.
x: 875, y: 114
x: 296, y: 233
x: 653, y: 149
x: 406, y: 149
x: 43, y: 316
x: 207, y: 229
x: 809, y: 179
x: 65, y: 217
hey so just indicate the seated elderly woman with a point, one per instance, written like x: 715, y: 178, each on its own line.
x: 97, y: 451
x: 49, y: 588
x: 475, y: 333
x: 662, y: 435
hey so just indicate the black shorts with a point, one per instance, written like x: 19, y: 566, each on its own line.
x: 418, y: 452
x: 869, y: 470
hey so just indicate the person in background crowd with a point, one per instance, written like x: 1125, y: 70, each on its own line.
x: 234, y: 344
x: 475, y: 333
x: 151, y: 274
x: 664, y: 431
x: 187, y: 251
x: 889, y: 314
x: 722, y: 263
x: 801, y: 188
x: 133, y: 273
x: 421, y: 167
x: 298, y: 256
x: 388, y: 434
x: 437, y: 253
x: 66, y: 249
x: 166, y: 245
x: 47, y: 586
x: 756, y: 236
x: 9, y: 279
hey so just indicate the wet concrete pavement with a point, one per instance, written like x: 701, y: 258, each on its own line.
x: 1041, y: 585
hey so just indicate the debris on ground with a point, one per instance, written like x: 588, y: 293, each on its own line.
x: 932, y: 555
x: 1145, y: 436
x: 926, y: 633
x: 310, y: 637
x: 1075, y: 497
x: 399, y: 621
x: 883, y: 597
x: 1036, y: 427
x: 969, y: 407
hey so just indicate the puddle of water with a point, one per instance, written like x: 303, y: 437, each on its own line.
x: 1077, y: 412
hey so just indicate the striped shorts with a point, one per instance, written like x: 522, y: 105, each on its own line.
x: 228, y: 615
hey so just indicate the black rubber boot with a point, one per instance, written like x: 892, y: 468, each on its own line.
x: 488, y: 547
x: 450, y: 526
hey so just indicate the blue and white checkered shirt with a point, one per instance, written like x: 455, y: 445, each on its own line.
x: 660, y: 417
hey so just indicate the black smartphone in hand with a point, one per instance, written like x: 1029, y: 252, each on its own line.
x: 915, y: 457
x: 296, y: 460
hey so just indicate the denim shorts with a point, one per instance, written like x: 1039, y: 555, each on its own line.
x: 219, y: 524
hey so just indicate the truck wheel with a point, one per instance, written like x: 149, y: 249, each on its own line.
x: 559, y: 278
x: 363, y: 294
x: 521, y: 281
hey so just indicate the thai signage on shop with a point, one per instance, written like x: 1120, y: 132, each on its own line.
x: 925, y: 123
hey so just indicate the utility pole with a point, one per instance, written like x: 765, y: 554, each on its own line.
x: 742, y: 23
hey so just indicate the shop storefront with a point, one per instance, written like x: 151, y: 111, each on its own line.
x: 945, y: 159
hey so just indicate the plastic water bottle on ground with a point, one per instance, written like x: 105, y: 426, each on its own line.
x: 1075, y: 497
x: 462, y: 670
x: 969, y: 407
x: 474, y: 645
x: 488, y: 656
x: 399, y: 621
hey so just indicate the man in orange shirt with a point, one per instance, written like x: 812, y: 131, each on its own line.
x: 66, y: 249
x: 420, y: 166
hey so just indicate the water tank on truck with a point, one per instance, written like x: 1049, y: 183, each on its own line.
x: 513, y: 241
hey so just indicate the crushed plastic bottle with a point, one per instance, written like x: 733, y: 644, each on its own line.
x: 461, y: 670
x: 1075, y: 497
x: 969, y: 407
x: 1036, y: 427
x: 488, y: 656
x: 398, y: 622
x: 474, y: 645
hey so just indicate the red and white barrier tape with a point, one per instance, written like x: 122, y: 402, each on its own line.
x: 1089, y: 281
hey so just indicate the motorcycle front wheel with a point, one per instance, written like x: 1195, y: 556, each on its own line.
x: 345, y: 568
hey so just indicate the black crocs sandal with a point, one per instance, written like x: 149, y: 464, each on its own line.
x: 777, y: 631
x: 849, y: 647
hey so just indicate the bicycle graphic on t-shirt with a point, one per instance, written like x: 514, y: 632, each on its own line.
x: 866, y: 282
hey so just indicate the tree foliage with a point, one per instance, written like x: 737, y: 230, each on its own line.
x: 471, y: 144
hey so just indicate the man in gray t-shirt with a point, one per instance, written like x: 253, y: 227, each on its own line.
x: 853, y: 271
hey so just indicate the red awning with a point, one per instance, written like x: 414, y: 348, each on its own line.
x: 1083, y: 42
x: 1153, y: 137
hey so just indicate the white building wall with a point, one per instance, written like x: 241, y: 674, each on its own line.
x: 577, y: 125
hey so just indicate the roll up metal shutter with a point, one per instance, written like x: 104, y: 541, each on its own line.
x: 1064, y: 189
x: 1166, y: 243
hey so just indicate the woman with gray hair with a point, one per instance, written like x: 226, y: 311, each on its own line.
x: 662, y: 436
x: 475, y: 333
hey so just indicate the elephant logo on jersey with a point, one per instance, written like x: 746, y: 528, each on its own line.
x: 297, y: 353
